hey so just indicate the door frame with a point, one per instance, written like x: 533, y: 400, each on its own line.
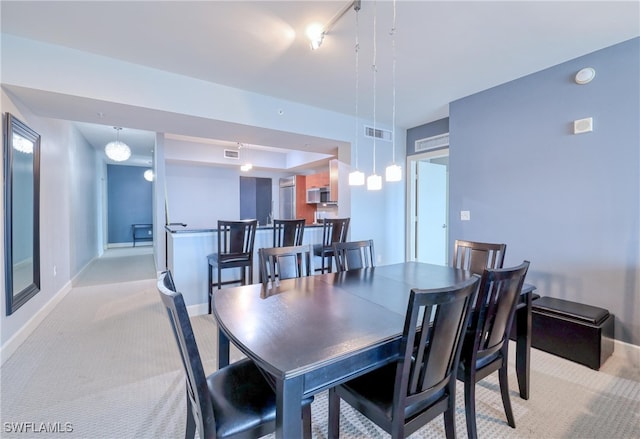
x: 411, y: 217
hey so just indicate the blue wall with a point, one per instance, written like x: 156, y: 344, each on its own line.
x: 568, y: 203
x: 129, y: 196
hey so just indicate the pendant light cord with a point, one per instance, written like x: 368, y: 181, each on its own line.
x: 357, y: 79
x: 393, y: 122
x: 375, y: 71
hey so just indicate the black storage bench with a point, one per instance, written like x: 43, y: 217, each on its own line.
x: 577, y: 332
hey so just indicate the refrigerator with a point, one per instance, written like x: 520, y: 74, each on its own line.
x: 287, y: 198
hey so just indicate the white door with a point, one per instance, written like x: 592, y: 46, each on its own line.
x: 431, y: 213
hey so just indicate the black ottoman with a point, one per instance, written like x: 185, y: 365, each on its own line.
x: 577, y: 332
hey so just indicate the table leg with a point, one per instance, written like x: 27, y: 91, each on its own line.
x: 289, y: 408
x: 223, y: 350
x: 523, y: 346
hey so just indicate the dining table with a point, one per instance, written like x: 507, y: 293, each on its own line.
x: 311, y: 333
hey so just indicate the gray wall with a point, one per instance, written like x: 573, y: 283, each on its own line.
x: 568, y: 203
x: 430, y: 129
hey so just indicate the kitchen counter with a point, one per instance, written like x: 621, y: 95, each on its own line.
x: 187, y: 251
x: 174, y: 228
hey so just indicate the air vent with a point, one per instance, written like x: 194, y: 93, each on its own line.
x: 378, y: 133
x: 432, y: 143
x: 231, y: 154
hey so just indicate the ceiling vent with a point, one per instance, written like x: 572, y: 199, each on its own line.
x: 432, y: 143
x: 231, y: 154
x: 376, y: 133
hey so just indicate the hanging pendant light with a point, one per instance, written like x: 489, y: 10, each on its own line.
x: 117, y: 151
x: 393, y: 171
x: 246, y: 167
x: 356, y: 177
x: 374, y: 181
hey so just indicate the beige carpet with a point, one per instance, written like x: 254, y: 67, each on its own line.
x: 104, y: 364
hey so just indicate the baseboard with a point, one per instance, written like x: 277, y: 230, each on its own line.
x: 629, y: 352
x: 198, y: 310
x: 11, y: 345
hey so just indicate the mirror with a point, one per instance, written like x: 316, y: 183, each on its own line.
x: 21, y: 212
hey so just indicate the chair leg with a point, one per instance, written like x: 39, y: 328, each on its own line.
x: 306, y: 422
x: 334, y: 415
x: 470, y: 406
x: 210, y: 286
x: 504, y: 391
x: 450, y: 418
x: 190, y: 430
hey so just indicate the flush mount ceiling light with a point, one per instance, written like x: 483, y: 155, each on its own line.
x: 585, y: 75
x: 117, y: 150
x: 148, y: 175
x: 316, y: 32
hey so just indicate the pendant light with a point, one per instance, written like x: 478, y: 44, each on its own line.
x: 356, y: 177
x: 393, y: 171
x: 117, y: 151
x: 247, y: 166
x: 374, y: 181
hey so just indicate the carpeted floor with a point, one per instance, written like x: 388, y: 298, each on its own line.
x: 104, y: 364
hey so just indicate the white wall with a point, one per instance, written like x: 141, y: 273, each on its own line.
x: 50, y: 68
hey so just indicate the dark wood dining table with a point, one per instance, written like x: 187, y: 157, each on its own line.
x: 314, y: 332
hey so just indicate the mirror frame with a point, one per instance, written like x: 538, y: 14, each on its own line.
x: 13, y: 125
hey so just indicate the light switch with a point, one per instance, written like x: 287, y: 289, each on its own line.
x: 583, y: 125
x: 465, y: 215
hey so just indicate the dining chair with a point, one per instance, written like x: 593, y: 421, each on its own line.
x: 403, y: 396
x: 333, y: 230
x: 285, y: 263
x: 476, y: 256
x: 486, y: 344
x: 288, y: 232
x: 235, y: 250
x: 233, y: 402
x: 353, y: 255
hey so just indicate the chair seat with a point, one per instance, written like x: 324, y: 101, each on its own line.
x: 376, y: 388
x: 227, y: 259
x: 242, y: 398
x: 320, y: 250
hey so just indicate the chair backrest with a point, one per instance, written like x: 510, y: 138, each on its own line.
x: 285, y: 262
x: 434, y: 327
x: 492, y: 316
x: 287, y: 233
x: 236, y: 238
x: 334, y: 230
x: 354, y: 255
x: 476, y: 256
x: 197, y: 390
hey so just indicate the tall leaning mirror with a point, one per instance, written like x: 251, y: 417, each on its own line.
x: 21, y: 212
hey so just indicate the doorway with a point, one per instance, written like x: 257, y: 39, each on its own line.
x: 428, y: 204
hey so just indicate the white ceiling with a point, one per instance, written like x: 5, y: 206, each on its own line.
x: 446, y: 50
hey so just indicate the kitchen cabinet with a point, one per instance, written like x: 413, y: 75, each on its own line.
x: 318, y: 180
x: 303, y: 210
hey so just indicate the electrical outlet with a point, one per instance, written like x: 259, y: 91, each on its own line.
x: 465, y: 215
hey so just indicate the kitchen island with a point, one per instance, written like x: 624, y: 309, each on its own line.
x: 187, y: 251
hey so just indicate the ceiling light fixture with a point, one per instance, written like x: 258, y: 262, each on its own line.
x: 356, y: 177
x: 247, y: 166
x: 117, y: 150
x: 316, y: 32
x: 148, y: 175
x: 393, y: 171
x: 585, y: 75
x: 374, y: 181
